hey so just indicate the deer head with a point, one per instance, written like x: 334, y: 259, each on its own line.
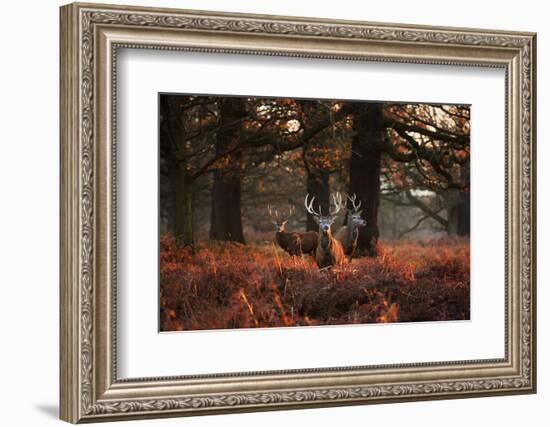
x: 278, y: 222
x: 329, y: 251
x: 354, y: 218
x: 324, y: 221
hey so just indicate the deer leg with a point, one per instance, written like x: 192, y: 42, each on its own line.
x: 352, y: 253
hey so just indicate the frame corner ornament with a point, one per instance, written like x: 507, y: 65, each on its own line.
x: 520, y: 49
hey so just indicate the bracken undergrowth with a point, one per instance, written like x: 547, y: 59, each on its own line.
x: 219, y: 285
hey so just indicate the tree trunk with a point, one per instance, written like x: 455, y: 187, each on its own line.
x: 458, y: 213
x: 463, y: 227
x: 458, y: 205
x: 318, y: 186
x: 394, y: 221
x: 364, y: 171
x: 463, y: 213
x: 183, y: 206
x: 226, y: 223
x: 180, y: 187
x: 452, y: 219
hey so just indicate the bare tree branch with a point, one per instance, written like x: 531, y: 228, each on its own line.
x: 424, y: 208
x: 461, y: 140
x: 414, y: 227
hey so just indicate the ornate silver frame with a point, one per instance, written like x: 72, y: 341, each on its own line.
x: 90, y: 36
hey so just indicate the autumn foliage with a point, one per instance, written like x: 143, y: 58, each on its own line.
x: 220, y: 285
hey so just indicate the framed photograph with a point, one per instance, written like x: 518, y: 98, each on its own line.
x: 266, y: 212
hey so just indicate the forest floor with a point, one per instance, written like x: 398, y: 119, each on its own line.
x: 229, y: 285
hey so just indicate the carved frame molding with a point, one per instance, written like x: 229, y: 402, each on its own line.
x: 90, y: 36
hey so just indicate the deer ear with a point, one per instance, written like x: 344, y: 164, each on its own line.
x: 360, y: 212
x: 316, y: 219
x: 284, y: 222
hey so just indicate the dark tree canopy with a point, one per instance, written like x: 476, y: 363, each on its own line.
x: 223, y: 159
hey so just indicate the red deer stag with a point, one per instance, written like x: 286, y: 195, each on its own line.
x: 293, y: 243
x: 329, y: 251
x: 349, y: 233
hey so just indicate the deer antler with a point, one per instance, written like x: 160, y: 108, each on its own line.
x: 337, y: 199
x: 353, y: 200
x: 309, y: 206
x: 290, y: 211
x: 273, y: 217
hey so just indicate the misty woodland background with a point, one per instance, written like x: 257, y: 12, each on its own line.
x: 223, y: 160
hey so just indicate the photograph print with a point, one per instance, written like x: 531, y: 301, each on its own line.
x: 286, y: 212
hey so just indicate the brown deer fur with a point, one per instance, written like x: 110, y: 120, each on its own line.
x: 329, y: 251
x: 349, y: 241
x: 295, y: 243
x: 349, y: 233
